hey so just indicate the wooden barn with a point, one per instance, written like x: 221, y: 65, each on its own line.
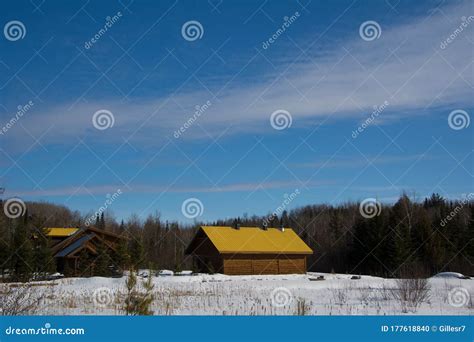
x: 248, y: 250
x: 70, y: 244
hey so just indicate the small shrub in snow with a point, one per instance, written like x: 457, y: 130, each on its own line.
x: 411, y: 293
x: 302, y: 308
x: 339, y: 295
x: 138, y: 302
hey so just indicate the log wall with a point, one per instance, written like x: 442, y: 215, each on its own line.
x: 263, y: 264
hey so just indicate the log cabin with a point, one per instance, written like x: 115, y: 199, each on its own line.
x: 248, y: 250
x: 67, y: 244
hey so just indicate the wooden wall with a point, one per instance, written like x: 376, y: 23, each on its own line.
x: 264, y: 264
x: 206, y: 257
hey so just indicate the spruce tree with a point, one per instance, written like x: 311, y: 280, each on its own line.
x: 122, y: 255
x: 102, y: 221
x: 136, y: 253
x: 43, y: 257
x: 22, y: 253
x: 470, y: 236
x: 401, y: 224
x: 4, y: 245
x: 84, y: 263
x: 102, y: 261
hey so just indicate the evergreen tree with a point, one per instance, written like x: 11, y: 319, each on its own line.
x: 102, y: 262
x: 22, y: 253
x: 43, y: 257
x: 136, y: 252
x: 371, y: 247
x: 284, y: 220
x: 102, y: 221
x: 136, y: 302
x: 401, y: 225
x: 4, y: 245
x: 84, y: 263
x: 123, y: 257
x: 335, y: 224
x: 469, y: 249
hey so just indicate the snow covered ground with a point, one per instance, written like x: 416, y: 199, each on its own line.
x: 218, y: 294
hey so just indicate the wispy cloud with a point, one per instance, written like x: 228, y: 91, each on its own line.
x: 405, y: 67
x: 357, y: 162
x: 156, y: 189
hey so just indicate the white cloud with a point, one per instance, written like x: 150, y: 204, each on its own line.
x: 405, y: 67
x: 155, y: 189
x: 360, y: 161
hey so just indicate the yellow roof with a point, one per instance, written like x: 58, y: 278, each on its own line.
x: 60, y: 232
x: 254, y: 240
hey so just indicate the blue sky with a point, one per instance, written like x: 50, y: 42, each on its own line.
x: 319, y: 70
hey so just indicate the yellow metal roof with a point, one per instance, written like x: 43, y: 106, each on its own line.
x: 60, y: 232
x: 254, y: 240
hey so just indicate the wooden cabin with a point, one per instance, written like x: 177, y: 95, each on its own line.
x: 69, y: 244
x: 248, y: 250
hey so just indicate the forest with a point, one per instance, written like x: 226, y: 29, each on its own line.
x: 407, y: 238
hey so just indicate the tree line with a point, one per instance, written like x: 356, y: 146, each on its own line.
x: 405, y: 238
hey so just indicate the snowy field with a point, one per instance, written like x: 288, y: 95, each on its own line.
x: 252, y: 295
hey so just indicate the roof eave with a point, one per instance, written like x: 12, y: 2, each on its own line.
x: 270, y: 252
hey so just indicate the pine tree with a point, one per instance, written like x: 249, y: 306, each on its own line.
x: 401, y: 224
x: 284, y: 220
x: 423, y: 238
x: 102, y: 221
x: 136, y: 302
x: 470, y: 236
x: 22, y: 253
x: 102, y: 261
x: 43, y: 257
x: 335, y: 224
x: 4, y: 245
x: 84, y: 263
x: 123, y: 257
x: 136, y: 252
